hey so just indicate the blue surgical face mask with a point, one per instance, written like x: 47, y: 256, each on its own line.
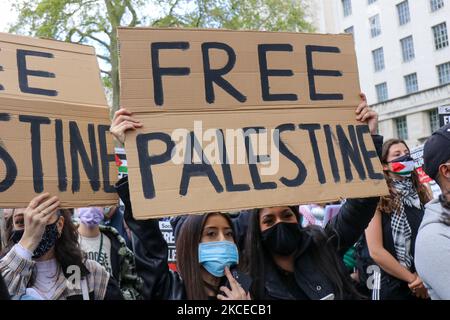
x: 215, y: 256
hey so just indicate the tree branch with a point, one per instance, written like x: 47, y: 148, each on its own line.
x: 173, y: 7
x: 201, y: 12
x: 103, y: 43
x: 108, y: 73
x: 134, y: 20
x: 88, y: 34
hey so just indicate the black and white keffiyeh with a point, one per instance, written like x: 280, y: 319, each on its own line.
x: 401, y: 231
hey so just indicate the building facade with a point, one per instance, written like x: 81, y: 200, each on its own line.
x: 403, y: 55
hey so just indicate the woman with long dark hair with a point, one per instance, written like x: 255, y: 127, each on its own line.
x: 392, y: 233
x: 43, y: 257
x: 289, y: 262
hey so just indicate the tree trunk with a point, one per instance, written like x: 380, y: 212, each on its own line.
x: 115, y: 70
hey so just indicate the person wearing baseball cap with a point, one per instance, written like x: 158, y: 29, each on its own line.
x: 432, y: 257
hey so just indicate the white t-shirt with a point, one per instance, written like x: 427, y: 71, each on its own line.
x: 46, y: 276
x: 98, y: 250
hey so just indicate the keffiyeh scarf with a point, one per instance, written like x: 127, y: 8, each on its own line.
x: 401, y: 231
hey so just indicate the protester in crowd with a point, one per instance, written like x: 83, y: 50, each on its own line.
x: 4, y: 294
x: 433, y: 241
x: 46, y: 263
x: 392, y: 232
x: 289, y: 262
x: 104, y: 245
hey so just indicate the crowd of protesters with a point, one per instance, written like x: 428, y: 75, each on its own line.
x: 393, y: 247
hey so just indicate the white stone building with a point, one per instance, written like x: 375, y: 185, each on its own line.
x: 403, y: 58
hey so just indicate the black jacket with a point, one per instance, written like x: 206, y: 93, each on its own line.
x: 151, y: 254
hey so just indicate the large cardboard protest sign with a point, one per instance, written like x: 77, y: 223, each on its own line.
x: 54, y: 123
x: 286, y: 101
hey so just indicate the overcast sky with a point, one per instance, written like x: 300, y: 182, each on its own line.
x: 7, y: 15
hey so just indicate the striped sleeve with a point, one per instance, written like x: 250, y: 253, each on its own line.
x: 97, y: 279
x: 16, y: 271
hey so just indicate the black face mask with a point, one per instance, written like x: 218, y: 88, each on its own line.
x: 282, y: 239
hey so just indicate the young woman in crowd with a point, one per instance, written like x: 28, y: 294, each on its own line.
x: 392, y: 233
x: 287, y: 261
x: 104, y: 245
x: 44, y: 261
x: 206, y: 249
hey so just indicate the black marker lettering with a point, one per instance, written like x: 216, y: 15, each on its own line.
x: 24, y: 73
x: 36, y: 159
x: 266, y: 73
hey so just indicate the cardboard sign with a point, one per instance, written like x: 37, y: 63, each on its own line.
x: 417, y: 155
x: 54, y: 123
x: 236, y: 120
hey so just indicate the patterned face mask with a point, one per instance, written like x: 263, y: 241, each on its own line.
x: 403, y: 166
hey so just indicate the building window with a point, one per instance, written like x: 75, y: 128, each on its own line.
x: 402, y: 128
x: 411, y: 83
x: 350, y: 30
x: 444, y: 73
x: 371, y: 1
x: 347, y: 6
x: 436, y: 5
x: 382, y: 92
x: 403, y: 12
x: 440, y: 36
x: 375, y: 26
x: 378, y: 59
x: 434, y: 120
x: 407, y: 48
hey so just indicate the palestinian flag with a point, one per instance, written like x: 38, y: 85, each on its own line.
x: 402, y: 168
